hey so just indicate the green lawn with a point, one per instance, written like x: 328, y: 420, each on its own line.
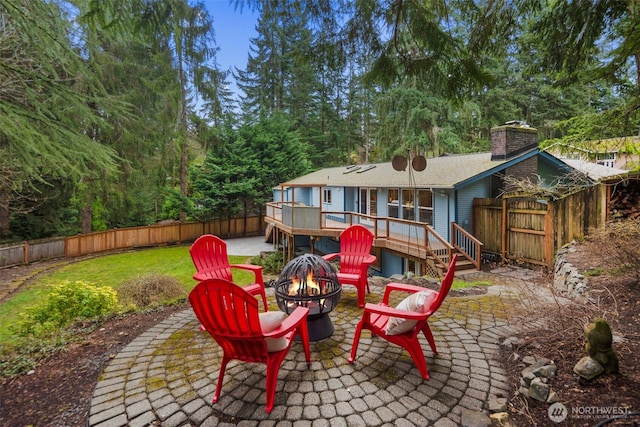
x: 114, y: 270
x: 110, y: 270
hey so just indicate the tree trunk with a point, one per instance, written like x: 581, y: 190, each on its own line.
x: 4, y: 213
x: 184, y: 148
x: 638, y: 68
x: 634, y: 11
x: 87, y: 212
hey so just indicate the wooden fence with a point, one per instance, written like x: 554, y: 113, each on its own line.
x: 127, y: 238
x: 533, y: 230
x: 35, y: 250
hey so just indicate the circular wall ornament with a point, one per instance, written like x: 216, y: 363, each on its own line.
x: 419, y: 163
x: 399, y: 163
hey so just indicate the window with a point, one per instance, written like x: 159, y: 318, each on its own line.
x: 326, y: 195
x: 392, y: 203
x: 425, y: 206
x: 606, y: 159
x: 410, y: 204
x: 408, y: 208
x: 368, y: 201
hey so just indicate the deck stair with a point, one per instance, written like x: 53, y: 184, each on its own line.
x: 464, y: 264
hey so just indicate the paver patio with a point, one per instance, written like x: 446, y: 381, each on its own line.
x: 167, y: 375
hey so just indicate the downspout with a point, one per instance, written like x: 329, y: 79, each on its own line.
x: 445, y: 193
x: 455, y: 219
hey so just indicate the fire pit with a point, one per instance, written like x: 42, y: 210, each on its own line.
x: 310, y: 281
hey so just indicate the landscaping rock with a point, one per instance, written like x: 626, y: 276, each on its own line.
x: 566, y: 278
x: 538, y: 390
x: 511, y: 342
x: 546, y: 371
x: 501, y: 419
x: 497, y: 404
x: 534, y: 378
x: 526, y: 377
x: 588, y: 368
x: 553, y: 397
x: 470, y: 418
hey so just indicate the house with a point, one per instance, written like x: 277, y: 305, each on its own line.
x: 420, y: 210
x: 620, y: 153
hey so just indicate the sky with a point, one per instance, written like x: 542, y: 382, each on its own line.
x: 233, y: 30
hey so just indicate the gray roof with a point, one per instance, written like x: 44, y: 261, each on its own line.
x: 441, y: 172
x: 594, y: 170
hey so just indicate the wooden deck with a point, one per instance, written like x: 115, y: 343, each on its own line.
x: 414, y: 240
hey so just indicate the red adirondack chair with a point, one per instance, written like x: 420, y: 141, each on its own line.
x: 231, y: 316
x: 355, y: 258
x: 209, y: 255
x: 401, y: 326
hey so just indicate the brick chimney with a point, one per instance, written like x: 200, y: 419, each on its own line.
x: 512, y: 140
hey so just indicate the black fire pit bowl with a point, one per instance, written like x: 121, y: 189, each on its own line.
x: 310, y: 281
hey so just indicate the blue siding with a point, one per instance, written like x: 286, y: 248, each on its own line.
x: 548, y: 171
x: 464, y: 199
x: 287, y: 195
x: 337, y: 200
x: 382, y: 202
x: 391, y: 264
x: 303, y: 195
x: 336, y: 205
x: 327, y: 245
x: 443, y: 211
x: 351, y: 199
x: 311, y: 197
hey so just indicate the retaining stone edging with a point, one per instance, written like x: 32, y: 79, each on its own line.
x: 566, y: 277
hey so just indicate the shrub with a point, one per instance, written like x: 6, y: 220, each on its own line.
x: 66, y: 303
x: 620, y: 244
x: 150, y: 290
x: 272, y: 262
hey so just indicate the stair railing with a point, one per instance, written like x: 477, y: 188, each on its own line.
x: 466, y: 244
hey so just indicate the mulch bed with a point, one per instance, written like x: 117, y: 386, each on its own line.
x: 59, y: 391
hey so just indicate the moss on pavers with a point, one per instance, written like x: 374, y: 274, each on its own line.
x: 181, y: 359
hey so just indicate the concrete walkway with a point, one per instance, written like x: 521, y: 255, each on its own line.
x: 167, y: 375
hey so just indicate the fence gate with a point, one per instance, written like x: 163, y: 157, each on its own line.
x: 514, y: 228
x: 526, y: 231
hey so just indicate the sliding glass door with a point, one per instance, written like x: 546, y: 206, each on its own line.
x: 368, y: 203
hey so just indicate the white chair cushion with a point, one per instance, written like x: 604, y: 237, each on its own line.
x: 416, y: 302
x: 270, y: 321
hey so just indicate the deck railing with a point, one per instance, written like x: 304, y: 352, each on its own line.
x: 413, y: 238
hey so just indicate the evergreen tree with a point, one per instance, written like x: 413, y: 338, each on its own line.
x: 410, y: 121
x: 141, y: 74
x: 238, y: 175
x: 592, y: 40
x: 227, y: 181
x: 279, y: 75
x: 50, y: 102
x: 282, y: 153
x: 186, y: 30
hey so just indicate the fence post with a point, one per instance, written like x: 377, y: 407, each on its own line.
x: 549, y: 234
x: 503, y: 230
